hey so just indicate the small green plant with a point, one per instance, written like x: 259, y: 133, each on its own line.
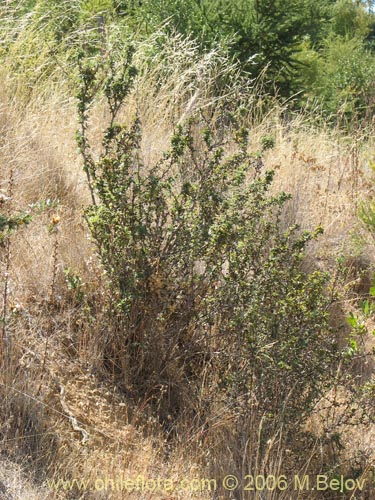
x: 41, y: 206
x: 9, y: 223
x: 267, y: 142
x: 367, y: 215
x: 358, y: 321
x: 75, y: 285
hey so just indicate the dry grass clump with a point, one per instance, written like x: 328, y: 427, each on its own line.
x: 325, y: 172
x: 16, y: 484
x: 44, y: 186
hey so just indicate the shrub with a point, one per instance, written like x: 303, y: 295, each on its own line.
x: 210, y: 317
x: 202, y: 274
x: 344, y: 79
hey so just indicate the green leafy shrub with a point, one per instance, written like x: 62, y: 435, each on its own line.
x: 210, y: 318
x: 351, y: 19
x: 202, y: 275
x: 345, y: 78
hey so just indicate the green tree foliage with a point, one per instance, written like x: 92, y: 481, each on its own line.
x: 283, y: 39
x: 345, y: 78
x: 263, y: 34
x: 297, y: 47
x: 351, y: 19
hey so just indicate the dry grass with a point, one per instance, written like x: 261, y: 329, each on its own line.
x: 15, y: 484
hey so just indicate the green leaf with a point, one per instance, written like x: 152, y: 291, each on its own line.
x: 352, y: 320
x: 366, y: 307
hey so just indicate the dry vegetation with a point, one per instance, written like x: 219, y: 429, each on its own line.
x: 62, y: 414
